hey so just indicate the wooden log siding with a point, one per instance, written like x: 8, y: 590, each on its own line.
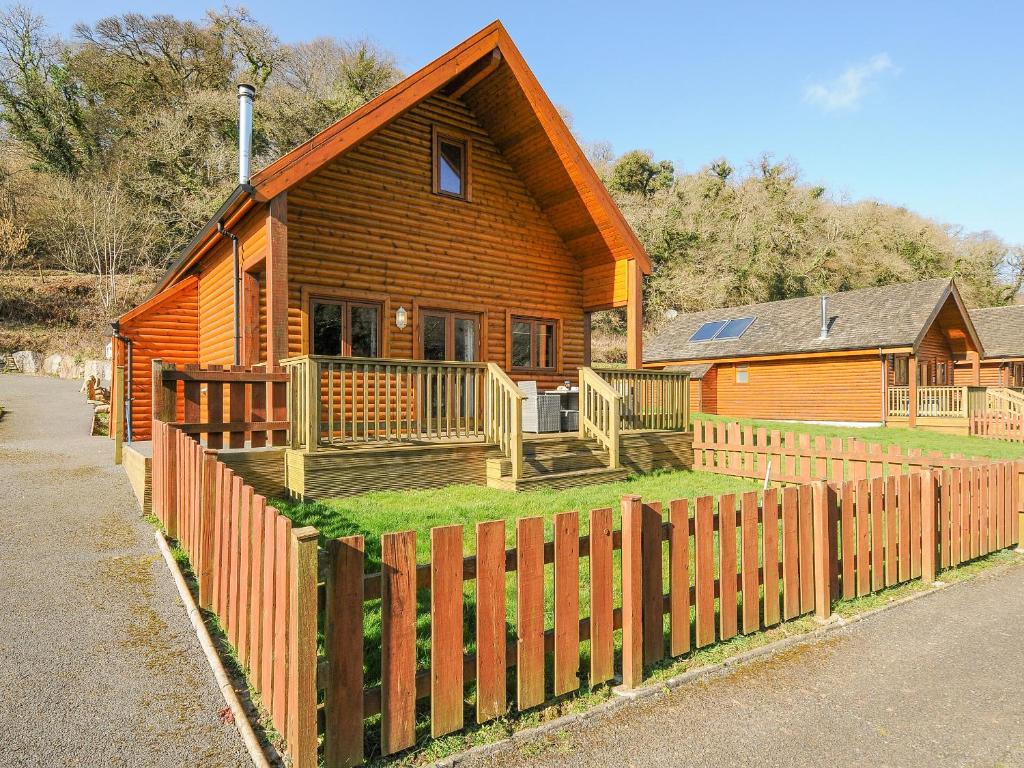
x: 166, y: 331
x: 369, y: 224
x: 254, y: 572
x: 731, y: 449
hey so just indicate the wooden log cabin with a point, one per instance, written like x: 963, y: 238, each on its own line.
x: 902, y: 355
x: 410, y: 266
x: 1001, y: 330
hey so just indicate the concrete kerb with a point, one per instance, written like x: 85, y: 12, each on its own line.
x: 623, y: 697
x: 227, y: 689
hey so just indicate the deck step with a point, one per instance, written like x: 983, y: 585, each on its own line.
x: 557, y: 480
x: 548, y: 463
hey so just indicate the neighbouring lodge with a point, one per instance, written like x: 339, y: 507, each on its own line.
x: 419, y: 259
x: 905, y: 354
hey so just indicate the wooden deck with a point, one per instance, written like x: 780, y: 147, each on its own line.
x: 559, y: 460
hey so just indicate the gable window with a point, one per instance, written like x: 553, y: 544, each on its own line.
x: 533, y: 343
x: 451, y: 159
x: 741, y: 374
x: 346, y: 328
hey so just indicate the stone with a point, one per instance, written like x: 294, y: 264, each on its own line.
x: 51, y: 365
x: 100, y: 369
x: 28, y: 361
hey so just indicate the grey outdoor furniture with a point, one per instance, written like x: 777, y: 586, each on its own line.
x: 541, y: 410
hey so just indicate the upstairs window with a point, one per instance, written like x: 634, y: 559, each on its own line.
x: 533, y: 343
x: 451, y: 165
x: 346, y: 328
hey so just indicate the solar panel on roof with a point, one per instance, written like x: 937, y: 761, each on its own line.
x: 707, y: 331
x: 734, y: 328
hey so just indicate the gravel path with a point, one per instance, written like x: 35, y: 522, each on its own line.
x: 99, y: 665
x: 936, y: 682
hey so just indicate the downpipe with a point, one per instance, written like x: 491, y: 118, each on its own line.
x: 116, y: 333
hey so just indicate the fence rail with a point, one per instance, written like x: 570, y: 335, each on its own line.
x: 247, y: 405
x: 998, y: 426
x: 730, y: 448
x: 650, y: 399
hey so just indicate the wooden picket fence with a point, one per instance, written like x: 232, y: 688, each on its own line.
x: 768, y: 558
x: 729, y: 448
x: 999, y: 426
x: 254, y: 572
x: 255, y: 400
x: 661, y: 584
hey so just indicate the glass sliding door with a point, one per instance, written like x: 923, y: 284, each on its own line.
x: 451, y: 336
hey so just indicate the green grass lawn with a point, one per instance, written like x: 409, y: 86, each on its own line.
x: 922, y: 439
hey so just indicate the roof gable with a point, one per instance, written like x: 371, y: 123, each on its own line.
x: 868, y: 318
x: 489, y: 74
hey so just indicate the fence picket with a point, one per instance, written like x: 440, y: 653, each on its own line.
x: 343, y: 698
x: 567, y: 602
x: 632, y: 596
x: 679, y: 576
x: 727, y: 619
x: 530, y: 612
x: 446, y: 642
x: 749, y: 563
x: 790, y: 553
x: 602, y: 630
x: 398, y: 641
x: 651, y: 580
x: 770, y: 555
x: 877, y: 529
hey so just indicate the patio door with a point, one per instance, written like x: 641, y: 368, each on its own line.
x: 451, y: 336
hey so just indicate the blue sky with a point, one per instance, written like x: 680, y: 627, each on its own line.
x: 917, y: 104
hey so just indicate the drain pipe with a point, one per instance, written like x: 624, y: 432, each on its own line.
x: 115, y: 328
x: 237, y: 283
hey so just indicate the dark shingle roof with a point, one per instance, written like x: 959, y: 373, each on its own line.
x: 867, y: 318
x: 1001, y: 330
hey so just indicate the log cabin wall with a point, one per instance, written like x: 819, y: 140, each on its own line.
x: 166, y: 330
x: 369, y: 225
x: 841, y: 388
x: 216, y: 290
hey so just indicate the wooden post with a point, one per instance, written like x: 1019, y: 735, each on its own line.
x: 929, y: 523
x: 824, y: 502
x: 312, y: 425
x: 634, y: 315
x: 587, y: 341
x: 912, y: 391
x: 116, y: 421
x: 975, y: 359
x: 632, y: 597
x: 302, y: 659
x: 613, y: 429
x: 208, y: 503
x: 277, y: 279
x: 517, y: 438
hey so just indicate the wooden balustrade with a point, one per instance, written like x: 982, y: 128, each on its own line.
x: 943, y: 402
x: 504, y: 417
x: 600, y: 413
x: 650, y: 399
x: 348, y: 400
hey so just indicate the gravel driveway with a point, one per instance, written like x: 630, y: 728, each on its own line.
x: 99, y: 665
x: 935, y: 682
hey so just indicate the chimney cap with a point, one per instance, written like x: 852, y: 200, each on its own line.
x: 246, y: 89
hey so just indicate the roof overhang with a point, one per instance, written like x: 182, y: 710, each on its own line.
x: 951, y: 292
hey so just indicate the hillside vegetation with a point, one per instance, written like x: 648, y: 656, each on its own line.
x: 118, y: 142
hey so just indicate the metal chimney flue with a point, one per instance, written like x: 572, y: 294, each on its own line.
x: 246, y: 94
x: 824, y: 317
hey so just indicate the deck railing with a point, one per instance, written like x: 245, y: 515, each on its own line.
x: 942, y: 402
x: 650, y: 399
x: 504, y: 416
x: 338, y: 401
x: 1004, y: 400
x: 600, y: 413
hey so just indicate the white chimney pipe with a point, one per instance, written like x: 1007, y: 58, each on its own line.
x: 824, y: 317
x: 246, y: 93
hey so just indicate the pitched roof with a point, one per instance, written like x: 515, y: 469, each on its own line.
x: 488, y: 72
x: 1001, y: 330
x: 868, y: 318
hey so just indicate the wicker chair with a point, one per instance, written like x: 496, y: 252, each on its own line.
x: 541, y: 411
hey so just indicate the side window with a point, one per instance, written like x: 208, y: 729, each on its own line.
x: 534, y: 343
x: 344, y: 328
x: 741, y: 374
